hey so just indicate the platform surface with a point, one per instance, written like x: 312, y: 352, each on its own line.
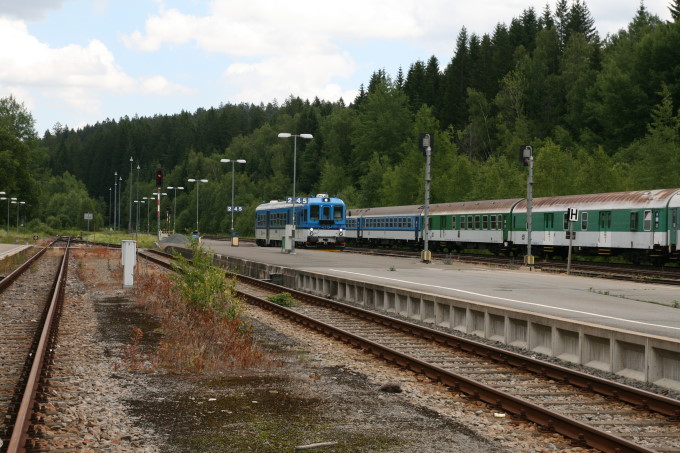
x: 11, y: 249
x: 638, y: 307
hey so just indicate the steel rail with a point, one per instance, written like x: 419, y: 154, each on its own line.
x: 580, y: 433
x: 23, y: 420
x: 5, y: 282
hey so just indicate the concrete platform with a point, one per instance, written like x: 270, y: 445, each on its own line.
x: 628, y: 328
x: 11, y: 249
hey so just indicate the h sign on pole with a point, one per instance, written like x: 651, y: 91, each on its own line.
x: 572, y: 214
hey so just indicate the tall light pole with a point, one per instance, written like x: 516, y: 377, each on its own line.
x: 18, y: 203
x: 8, y: 202
x: 130, y: 199
x: 120, y: 198
x: 109, y: 207
x: 137, y: 203
x: 233, y: 162
x: 115, y: 203
x: 174, y: 206
x: 146, y: 200
x: 295, y: 136
x: 526, y: 156
x: 197, y: 186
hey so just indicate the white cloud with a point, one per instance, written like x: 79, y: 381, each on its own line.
x: 73, y: 73
x: 278, y: 77
x: 28, y: 9
x: 267, y: 27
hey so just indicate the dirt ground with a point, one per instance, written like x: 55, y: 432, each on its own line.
x: 316, y: 392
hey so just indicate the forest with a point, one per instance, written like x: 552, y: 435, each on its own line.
x: 601, y: 114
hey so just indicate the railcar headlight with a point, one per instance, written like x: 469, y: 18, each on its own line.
x: 342, y: 233
x: 311, y: 231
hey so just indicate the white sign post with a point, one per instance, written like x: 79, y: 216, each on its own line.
x: 129, y: 259
x: 572, y: 216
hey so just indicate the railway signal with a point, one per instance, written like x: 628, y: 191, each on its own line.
x: 159, y: 178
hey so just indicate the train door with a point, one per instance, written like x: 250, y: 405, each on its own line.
x: 360, y: 228
x: 549, y: 228
x: 605, y: 225
x: 674, y: 229
x: 267, y: 227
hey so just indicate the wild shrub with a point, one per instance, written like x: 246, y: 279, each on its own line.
x: 205, y: 286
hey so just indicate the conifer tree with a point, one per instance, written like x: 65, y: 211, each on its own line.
x: 675, y: 10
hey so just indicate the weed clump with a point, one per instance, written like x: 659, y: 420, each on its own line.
x: 283, y: 299
x: 201, y: 317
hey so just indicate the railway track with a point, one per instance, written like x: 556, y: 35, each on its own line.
x: 591, y: 411
x: 30, y: 298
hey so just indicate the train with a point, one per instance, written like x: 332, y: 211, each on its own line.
x: 637, y: 225
x: 319, y: 222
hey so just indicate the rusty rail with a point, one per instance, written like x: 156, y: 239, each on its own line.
x: 48, y: 333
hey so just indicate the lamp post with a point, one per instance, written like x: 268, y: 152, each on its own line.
x: 174, y: 206
x: 233, y: 162
x: 197, y: 186
x: 146, y: 200
x: 527, y: 158
x: 115, y: 203
x: 130, y: 200
x: 8, y: 202
x: 18, y: 203
x: 120, y: 198
x: 295, y: 136
x: 137, y: 203
x: 109, y: 207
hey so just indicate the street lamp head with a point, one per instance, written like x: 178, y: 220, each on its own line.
x: 241, y: 161
x: 204, y: 180
x: 191, y: 180
x: 307, y: 136
x: 284, y: 134
x: 130, y: 158
x: 180, y: 188
x: 170, y: 187
x: 226, y: 161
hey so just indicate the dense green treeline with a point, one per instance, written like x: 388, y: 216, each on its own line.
x: 601, y: 114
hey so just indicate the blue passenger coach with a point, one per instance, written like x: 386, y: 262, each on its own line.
x: 319, y: 222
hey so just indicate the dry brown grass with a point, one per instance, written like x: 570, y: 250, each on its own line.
x: 195, y: 340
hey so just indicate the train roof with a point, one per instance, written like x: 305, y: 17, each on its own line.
x: 641, y: 199
x: 319, y: 199
x: 461, y: 207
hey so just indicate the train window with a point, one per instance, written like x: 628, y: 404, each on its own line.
x: 477, y: 225
x: 469, y: 222
x: 325, y: 212
x: 633, y: 221
x: 493, y: 222
x: 337, y: 213
x: 584, y: 221
x: 463, y: 225
x: 565, y: 221
x: 314, y: 212
x: 485, y: 222
x: 647, y: 225
x: 453, y: 222
x: 674, y: 219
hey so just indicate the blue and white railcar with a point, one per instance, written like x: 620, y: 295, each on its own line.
x: 385, y: 225
x: 319, y: 222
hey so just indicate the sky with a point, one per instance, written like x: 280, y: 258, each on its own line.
x: 79, y: 62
